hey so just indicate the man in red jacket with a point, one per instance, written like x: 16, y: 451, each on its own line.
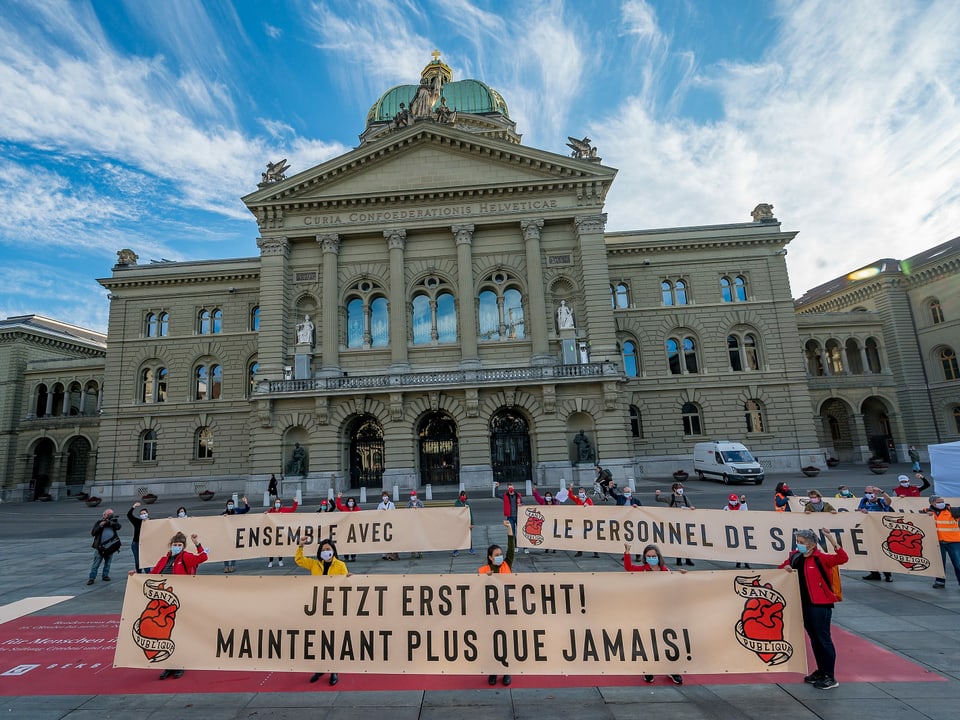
x: 817, y: 599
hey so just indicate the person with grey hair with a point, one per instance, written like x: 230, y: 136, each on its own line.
x: 817, y: 599
x: 106, y: 542
x: 948, y: 533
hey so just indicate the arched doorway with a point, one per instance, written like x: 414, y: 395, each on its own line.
x: 510, y: 448
x: 876, y: 424
x: 42, y: 467
x: 439, y: 450
x: 366, y: 453
x: 837, y: 431
x: 78, y: 460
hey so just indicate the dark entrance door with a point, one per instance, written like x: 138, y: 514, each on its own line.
x: 510, y: 448
x: 366, y: 454
x: 78, y: 457
x: 439, y: 451
x: 42, y: 467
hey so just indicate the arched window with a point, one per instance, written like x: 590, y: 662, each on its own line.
x: 682, y: 355
x: 853, y: 357
x: 153, y: 385
x: 674, y: 292
x: 41, y: 406
x: 740, y: 287
x: 151, y: 322
x: 873, y: 355
x: 208, y: 382
x: 948, y: 361
x: 631, y: 359
x: 255, y: 318
x: 252, y: 370
x: 814, y: 356
x: 148, y: 446
x: 753, y: 414
x: 726, y: 290
x: 368, y: 321
x: 834, y: 357
x: 157, y: 324
x: 147, y: 385
x: 209, y: 321
x: 204, y: 443
x: 619, y: 296
x: 636, y: 424
x: 500, y: 311
x: 733, y: 350
x: 692, y: 420
x: 936, y: 312
x: 434, y: 313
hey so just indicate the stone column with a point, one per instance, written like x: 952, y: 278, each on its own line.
x: 469, y: 357
x: 49, y: 409
x: 823, y: 362
x: 536, y: 323
x: 599, y: 325
x: 330, y: 244
x: 396, y: 242
x: 271, y: 353
x: 863, y: 359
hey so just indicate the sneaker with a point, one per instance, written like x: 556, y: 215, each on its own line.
x: 106, y: 578
x: 677, y: 679
x: 578, y: 554
x: 177, y: 674
x: 334, y: 678
x: 270, y: 564
x: 888, y: 577
x: 455, y: 553
x: 280, y: 563
x: 526, y: 551
x: 872, y: 576
x: 826, y: 683
x: 507, y: 679
x: 474, y: 552
x: 226, y: 569
x: 90, y: 581
x: 648, y: 678
x: 315, y: 677
x: 690, y: 563
x: 165, y: 674
x: 939, y: 585
x: 813, y: 677
x: 491, y: 680
x: 596, y: 555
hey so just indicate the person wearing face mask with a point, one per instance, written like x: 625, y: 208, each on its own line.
x: 512, y: 500
x: 844, y: 492
x: 328, y: 562
x: 179, y: 561
x: 737, y: 502
x: 875, y: 500
x: 905, y: 489
x: 415, y: 503
x: 780, y: 495
x: 348, y: 505
x: 279, y: 508
x: 499, y: 563
x: 626, y: 498
x: 817, y: 600
x: 652, y: 562
x: 677, y: 499
x: 230, y: 508
x: 948, y: 533
x: 462, y: 501
x: 136, y: 518
x: 547, y: 499
x: 387, y: 504
x: 580, y: 498
x: 181, y: 512
x: 816, y: 503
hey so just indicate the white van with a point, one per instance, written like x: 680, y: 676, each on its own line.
x: 727, y: 461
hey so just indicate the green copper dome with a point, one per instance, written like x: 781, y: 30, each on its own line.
x: 470, y: 96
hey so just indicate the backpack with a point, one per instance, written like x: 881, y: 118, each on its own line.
x: 832, y: 579
x: 109, y: 547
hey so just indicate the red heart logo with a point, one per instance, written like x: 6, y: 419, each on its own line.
x: 906, y: 543
x: 763, y: 620
x: 156, y: 622
x: 533, y: 525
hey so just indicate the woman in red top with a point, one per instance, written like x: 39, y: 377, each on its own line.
x: 652, y: 562
x: 178, y: 561
x: 348, y: 505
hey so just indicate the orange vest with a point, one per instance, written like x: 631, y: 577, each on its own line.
x: 779, y: 508
x: 947, y: 528
x: 504, y: 568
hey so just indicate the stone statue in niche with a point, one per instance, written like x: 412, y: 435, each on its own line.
x: 298, y: 461
x: 305, y: 331
x: 564, y: 316
x: 585, y: 453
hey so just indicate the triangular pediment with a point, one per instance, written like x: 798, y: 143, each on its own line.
x: 433, y: 160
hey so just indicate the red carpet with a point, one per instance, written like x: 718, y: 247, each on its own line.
x: 73, y: 655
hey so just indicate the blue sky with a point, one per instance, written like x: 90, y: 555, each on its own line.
x: 140, y: 124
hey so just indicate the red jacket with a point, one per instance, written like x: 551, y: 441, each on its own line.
x: 185, y: 563
x: 292, y: 508
x: 506, y: 504
x: 343, y: 507
x: 576, y: 499
x: 819, y: 590
x: 630, y: 567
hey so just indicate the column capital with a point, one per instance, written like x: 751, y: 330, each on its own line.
x: 463, y: 234
x: 587, y: 224
x: 273, y: 246
x: 396, y: 238
x: 330, y: 243
x: 532, y: 229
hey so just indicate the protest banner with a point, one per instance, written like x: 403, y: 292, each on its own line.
x: 903, y: 505
x: 545, y: 623
x: 241, y: 537
x: 874, y: 541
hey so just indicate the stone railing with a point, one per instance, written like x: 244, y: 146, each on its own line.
x: 443, y: 378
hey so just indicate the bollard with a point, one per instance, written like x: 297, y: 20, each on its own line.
x: 236, y: 504
x: 428, y: 490
x: 631, y: 483
x: 266, y: 499
x: 363, y: 494
x: 298, y: 496
x: 330, y: 494
x: 396, y: 494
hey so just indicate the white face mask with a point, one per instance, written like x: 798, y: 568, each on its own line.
x: 349, y: 503
x: 869, y: 496
x: 627, y: 494
x: 498, y: 560
x: 940, y: 506
x: 326, y: 555
x: 548, y: 499
x: 144, y: 516
x: 679, y: 491
x: 230, y: 507
x: 181, y: 514
x: 276, y: 506
x: 384, y: 499
x: 583, y: 495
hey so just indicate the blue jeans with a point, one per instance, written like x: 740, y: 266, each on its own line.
x: 951, y: 549
x: 816, y: 621
x: 135, y: 549
x: 95, y: 565
x: 513, y: 524
x: 229, y: 563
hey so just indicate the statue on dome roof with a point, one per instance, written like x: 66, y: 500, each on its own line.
x: 444, y: 113
x: 426, y: 96
x: 402, y: 118
x: 582, y: 149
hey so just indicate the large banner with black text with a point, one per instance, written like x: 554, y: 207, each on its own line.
x: 545, y: 623
x: 889, y: 542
